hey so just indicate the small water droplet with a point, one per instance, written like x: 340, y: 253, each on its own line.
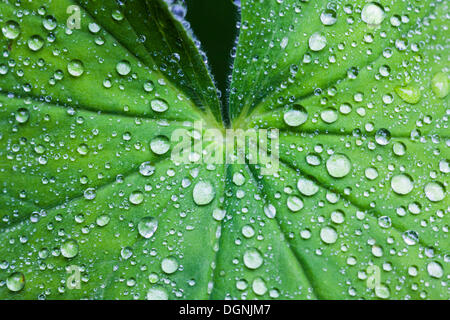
x: 328, y: 235
x: 383, y: 137
x: 147, y: 227
x: 136, y: 197
x: 295, y: 117
x: 328, y: 17
x: 253, y: 258
x: 146, y: 169
x: 123, y: 67
x: 75, y: 68
x: 22, y: 115
x: 69, y: 249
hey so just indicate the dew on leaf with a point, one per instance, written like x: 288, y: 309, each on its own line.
x: 136, y: 197
x: 307, y: 187
x: 259, y: 286
x: 75, y: 68
x: 338, y: 165
x: 15, y: 282
x: 123, y: 67
x: 159, y: 105
x: 248, y: 231
x: 49, y: 23
x: 434, y: 191
x: 90, y: 194
x: 238, y: 179
x: 160, y: 145
x: 69, y: 249
x: 252, y: 258
x: 169, y: 265
x: 328, y: 17
x: 371, y: 173
x: 317, y: 41
x: 294, y: 203
x: 439, y: 85
x: 11, y: 30
x: 329, y: 115
x: 328, y: 235
x: 147, y: 227
x: 146, y: 169
x: 435, y: 269
x: 410, y: 237
x: 399, y: 148
x: 295, y: 117
x: 338, y: 216
x: 22, y: 115
x: 372, y: 14
x: 157, y: 293
x: 219, y: 214
x: 382, y: 291
x: 270, y: 211
x: 35, y: 43
x: 126, y: 253
x: 383, y: 137
x: 203, y: 193
x: 402, y: 184
x: 409, y: 94
x: 103, y: 220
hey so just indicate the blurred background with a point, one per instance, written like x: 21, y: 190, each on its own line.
x: 214, y: 24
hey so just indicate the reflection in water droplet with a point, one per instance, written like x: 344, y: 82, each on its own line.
x: 157, y: 293
x: 159, y: 105
x: 136, y: 197
x: 338, y: 165
x: 203, y: 193
x: 253, y: 258
x: 402, y: 184
x: 15, y: 282
x: 307, y: 187
x: 328, y: 17
x: 372, y: 14
x: 294, y: 203
x: 160, y: 145
x: 328, y: 235
x: 169, y: 265
x: 295, y: 117
x: 435, y: 191
x: 75, y: 68
x: 11, y: 30
x: 69, y: 249
x: 147, y: 227
x: 317, y: 41
x: 439, y: 85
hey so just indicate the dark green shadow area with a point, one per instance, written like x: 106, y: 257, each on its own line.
x: 214, y: 24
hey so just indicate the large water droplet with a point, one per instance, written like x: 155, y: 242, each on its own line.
x: 253, y: 258
x: 307, y: 187
x: 402, y: 184
x: 157, y: 293
x: 69, y: 249
x: 35, y: 43
x: 317, y: 41
x: 435, y: 270
x: 159, y: 105
x: 203, y: 193
x: 372, y: 14
x: 146, y: 169
x: 123, y: 68
x: 270, y: 211
x: 439, y: 85
x: 328, y: 235
x: 259, y: 286
x: 22, y: 115
x: 294, y: 203
x: 410, y: 237
x: 160, y: 145
x: 147, y: 227
x: 169, y: 265
x: 328, y: 17
x: 435, y: 191
x: 75, y: 68
x: 383, y: 137
x: 11, y: 30
x: 136, y: 197
x: 16, y: 281
x: 295, y: 117
x: 338, y: 165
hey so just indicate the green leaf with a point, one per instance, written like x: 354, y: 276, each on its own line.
x: 357, y: 209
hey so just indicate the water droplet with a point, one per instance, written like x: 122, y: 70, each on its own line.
x: 238, y: 179
x: 372, y: 14
x: 329, y: 115
x: 136, y: 197
x: 410, y: 237
x: 307, y: 187
x: 270, y: 211
x: 409, y: 94
x: 49, y: 23
x: 159, y: 105
x: 328, y: 17
x: 90, y: 194
x: 384, y: 222
x: 22, y: 115
x: 399, y: 148
x: 259, y: 286
x: 248, y: 231
x: 149, y: 86
x: 338, y: 165
x: 294, y: 203
x: 103, y: 220
x: 435, y: 191
x: 126, y: 253
x: 83, y: 149
x: 35, y: 43
x: 75, y: 68
x: 11, y: 30
x: 295, y: 117
x: 157, y: 293
x: 16, y: 281
x: 381, y: 291
x: 203, y: 193
x: 328, y: 235
x: 371, y: 173
x: 338, y: 216
x: 253, y: 258
x: 402, y: 184
x: 123, y: 67
x: 383, y: 137
x: 69, y: 249
x: 317, y: 41
x: 169, y: 265
x: 219, y: 214
x: 147, y: 227
x: 160, y: 145
x: 435, y: 270
x: 439, y: 85
x: 146, y: 169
